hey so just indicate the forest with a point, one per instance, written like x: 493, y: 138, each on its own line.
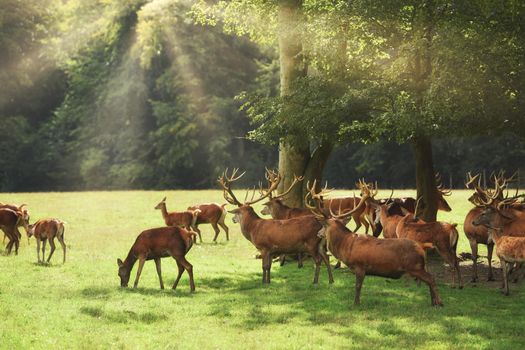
x: 136, y: 94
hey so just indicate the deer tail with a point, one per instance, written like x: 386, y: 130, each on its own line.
x: 196, y: 213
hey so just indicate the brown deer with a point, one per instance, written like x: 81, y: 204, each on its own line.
x: 388, y: 221
x: 213, y: 214
x: 9, y: 223
x: 443, y: 236
x: 280, y: 211
x: 275, y: 237
x: 47, y: 230
x: 367, y: 255
x: 510, y: 250
x: 22, y: 212
x: 478, y: 234
x: 155, y: 244
x: 408, y: 204
x: 184, y: 219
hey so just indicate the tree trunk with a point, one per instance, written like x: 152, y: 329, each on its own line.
x: 314, y: 170
x: 425, y: 179
x: 293, y: 159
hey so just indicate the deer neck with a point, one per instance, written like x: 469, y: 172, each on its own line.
x: 279, y: 211
x: 249, y: 220
x: 164, y: 212
x: 337, y: 237
x: 130, y: 260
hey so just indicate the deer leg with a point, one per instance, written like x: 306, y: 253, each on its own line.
x: 38, y: 248
x: 317, y: 261
x: 326, y: 261
x: 181, y: 271
x: 157, y: 265
x: 357, y: 223
x: 226, y: 229
x: 282, y: 259
x: 490, y: 249
x: 189, y: 268
x: 267, y: 263
x: 63, y: 245
x: 52, y: 245
x: 505, y: 277
x: 427, y: 278
x: 142, y: 260
x: 364, y: 222
x: 474, y: 248
x: 452, y: 260
x: 216, y: 229
x: 300, y: 257
x: 359, y: 278
x: 44, y: 241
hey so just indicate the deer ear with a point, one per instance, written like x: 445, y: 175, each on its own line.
x: 120, y: 263
x: 454, y: 225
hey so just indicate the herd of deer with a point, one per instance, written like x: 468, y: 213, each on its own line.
x: 320, y: 227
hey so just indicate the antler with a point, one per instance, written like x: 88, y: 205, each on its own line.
x: 225, y: 181
x: 317, y: 198
x: 272, y: 176
x: 366, y: 193
x: 439, y: 184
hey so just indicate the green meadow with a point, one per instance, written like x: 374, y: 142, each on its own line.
x: 80, y: 304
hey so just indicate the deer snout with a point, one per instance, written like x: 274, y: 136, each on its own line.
x: 265, y: 210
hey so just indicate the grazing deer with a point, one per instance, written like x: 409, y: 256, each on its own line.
x: 9, y: 223
x: 22, y: 212
x: 211, y: 213
x: 186, y: 219
x: 366, y: 255
x: 155, y: 244
x: 443, y: 236
x: 275, y: 237
x: 510, y: 250
x: 46, y: 230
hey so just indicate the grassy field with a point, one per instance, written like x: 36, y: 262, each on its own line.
x: 80, y: 304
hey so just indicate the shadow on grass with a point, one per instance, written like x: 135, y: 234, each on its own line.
x: 390, y: 310
x: 123, y: 316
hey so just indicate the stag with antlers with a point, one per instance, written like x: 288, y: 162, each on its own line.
x: 366, y: 255
x: 274, y: 237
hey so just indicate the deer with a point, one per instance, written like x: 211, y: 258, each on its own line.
x: 275, y: 237
x: 510, y: 250
x: 441, y: 235
x: 388, y: 221
x: 409, y: 204
x: 276, y: 208
x: 154, y: 244
x: 368, y: 255
x: 186, y: 219
x: 22, y: 212
x: 47, y: 230
x: 478, y: 234
x: 506, y: 214
x: 9, y: 223
x: 211, y: 213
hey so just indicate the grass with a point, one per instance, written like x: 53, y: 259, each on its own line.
x: 80, y: 304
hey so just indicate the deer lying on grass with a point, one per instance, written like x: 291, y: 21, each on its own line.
x: 275, y: 237
x: 211, y: 213
x: 9, y: 223
x: 21, y: 212
x: 510, y: 250
x: 47, y: 230
x: 443, y: 236
x: 186, y: 219
x: 366, y: 255
x: 155, y: 244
